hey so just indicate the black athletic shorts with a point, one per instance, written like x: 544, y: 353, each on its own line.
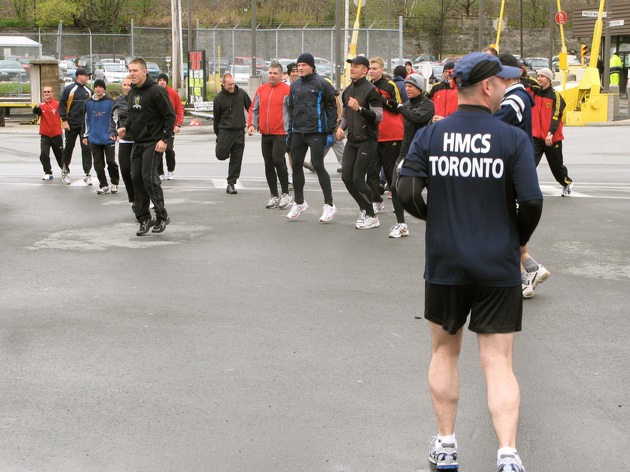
x: 492, y: 309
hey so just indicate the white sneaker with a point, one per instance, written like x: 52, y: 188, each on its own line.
x: 378, y: 206
x: 361, y: 219
x: 161, y: 176
x: 369, y: 222
x: 170, y: 175
x: 296, y: 210
x: 273, y: 202
x: 65, y: 178
x: 538, y: 276
x: 87, y: 179
x: 285, y: 199
x: 102, y: 190
x: 528, y: 290
x: 399, y: 230
x: 114, y: 189
x: 567, y: 189
x: 328, y: 211
x: 47, y: 177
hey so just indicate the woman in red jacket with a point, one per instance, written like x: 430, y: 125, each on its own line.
x: 50, y: 131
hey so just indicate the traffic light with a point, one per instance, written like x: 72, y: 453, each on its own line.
x: 584, y: 50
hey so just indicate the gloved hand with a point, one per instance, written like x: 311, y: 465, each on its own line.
x: 329, y: 140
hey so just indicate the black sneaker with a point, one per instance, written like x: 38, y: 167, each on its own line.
x: 160, y: 225
x: 144, y: 227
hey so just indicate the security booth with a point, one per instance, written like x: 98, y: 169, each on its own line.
x: 44, y: 72
x: 617, y: 18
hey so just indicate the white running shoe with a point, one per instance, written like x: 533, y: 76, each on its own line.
x: 567, y: 189
x: 285, y: 199
x: 102, y: 190
x: 114, y: 189
x: 443, y: 455
x: 296, y: 210
x: 510, y: 463
x: 170, y: 175
x: 328, y: 211
x: 399, y: 230
x: 87, y: 179
x: 273, y: 202
x: 65, y: 178
x: 378, y: 206
x: 369, y: 222
x: 47, y: 177
x: 538, y: 276
x: 361, y: 219
x: 528, y: 290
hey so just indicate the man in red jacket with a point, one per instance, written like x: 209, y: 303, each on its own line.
x: 50, y: 131
x: 444, y: 93
x: 179, y: 119
x: 268, y: 114
x: 547, y: 129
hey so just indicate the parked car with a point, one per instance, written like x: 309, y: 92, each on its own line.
x: 247, y: 61
x: 67, y: 70
x: 153, y: 70
x: 214, y: 68
x: 323, y: 67
x: 536, y: 63
x: 112, y: 72
x: 241, y: 73
x: 88, y: 62
x: 9, y: 70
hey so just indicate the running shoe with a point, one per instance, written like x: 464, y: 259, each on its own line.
x: 567, y: 189
x: 114, y: 189
x: 328, y: 211
x: 47, y: 177
x: 87, y: 179
x: 285, y: 199
x: 399, y: 230
x: 361, y: 219
x: 443, y: 455
x: 144, y: 227
x: 65, y: 178
x: 170, y: 175
x: 369, y: 222
x: 538, y: 276
x: 528, y: 290
x: 510, y: 463
x: 102, y: 190
x: 378, y: 206
x: 160, y: 225
x: 273, y: 202
x: 296, y: 210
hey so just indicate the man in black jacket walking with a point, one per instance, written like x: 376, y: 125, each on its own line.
x: 230, y: 106
x: 72, y: 112
x: 151, y: 120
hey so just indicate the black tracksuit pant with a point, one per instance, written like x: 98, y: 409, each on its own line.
x: 46, y: 144
x: 230, y: 145
x: 354, y: 167
x: 300, y: 144
x: 554, y: 157
x: 170, y: 157
x: 385, y: 156
x: 124, y: 160
x: 71, y: 138
x: 273, y: 148
x: 101, y: 154
x: 147, y: 186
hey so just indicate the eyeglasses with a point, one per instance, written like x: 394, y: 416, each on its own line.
x: 47, y: 91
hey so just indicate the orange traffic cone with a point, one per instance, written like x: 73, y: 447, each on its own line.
x: 195, y: 122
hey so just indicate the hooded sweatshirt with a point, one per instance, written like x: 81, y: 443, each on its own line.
x: 97, y: 124
x: 151, y: 116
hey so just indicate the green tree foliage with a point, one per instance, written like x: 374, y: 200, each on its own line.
x: 50, y: 12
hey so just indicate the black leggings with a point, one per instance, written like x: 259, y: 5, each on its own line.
x: 354, y: 167
x: 299, y: 146
x: 274, y: 147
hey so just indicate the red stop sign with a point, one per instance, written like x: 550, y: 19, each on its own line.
x: 561, y: 17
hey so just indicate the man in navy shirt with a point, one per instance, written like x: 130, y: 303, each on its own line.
x: 475, y: 168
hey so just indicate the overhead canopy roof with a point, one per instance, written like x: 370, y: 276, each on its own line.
x: 8, y: 41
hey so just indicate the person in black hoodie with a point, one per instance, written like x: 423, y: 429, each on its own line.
x: 417, y: 113
x: 150, y: 120
x: 230, y: 106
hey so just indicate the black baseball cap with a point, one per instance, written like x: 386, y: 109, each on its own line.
x: 362, y: 60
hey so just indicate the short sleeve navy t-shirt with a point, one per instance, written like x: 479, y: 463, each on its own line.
x: 476, y: 168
